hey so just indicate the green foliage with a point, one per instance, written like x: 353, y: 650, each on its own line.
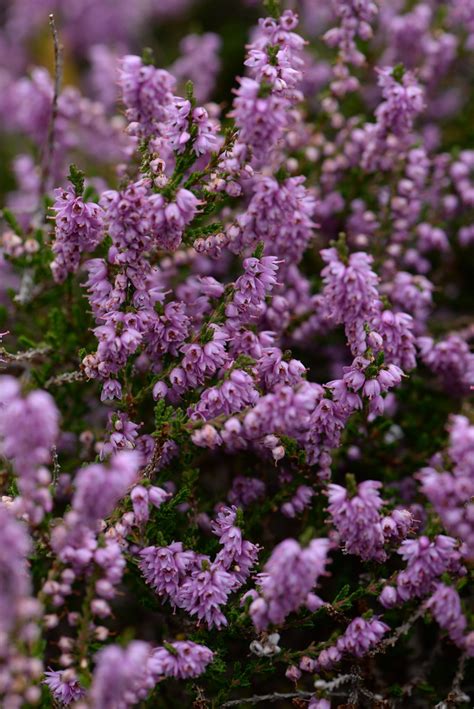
x: 76, y: 178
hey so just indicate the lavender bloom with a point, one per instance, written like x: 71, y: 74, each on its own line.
x: 98, y: 489
x: 164, y: 568
x: 121, y: 676
x: 450, y: 359
x: 28, y: 446
x: 445, y: 605
x: 396, y: 330
x: 16, y: 546
x: 28, y: 431
x: 412, y: 294
x: 170, y: 219
x: 403, y: 101
x: 199, y: 62
x: 451, y: 493
x: 426, y: 561
x: 350, y: 292
x: 64, y: 686
x: 181, y: 659
x: 300, y: 500
x: 245, y: 491
x: 357, y: 519
x: 237, y: 555
x: 234, y: 394
x: 359, y: 637
x: 78, y: 228
x: 355, y: 19
x: 205, y: 590
x: 263, y: 100
x: 252, y: 288
x: 147, y: 93
x: 288, y: 579
x: 280, y: 215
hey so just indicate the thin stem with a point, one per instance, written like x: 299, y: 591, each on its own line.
x: 256, y: 699
x: 58, y: 72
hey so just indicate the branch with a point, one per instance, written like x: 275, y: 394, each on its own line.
x: 66, y: 378
x: 268, y: 698
x: 456, y: 695
x: 401, y: 630
x: 22, y: 358
x: 58, y: 71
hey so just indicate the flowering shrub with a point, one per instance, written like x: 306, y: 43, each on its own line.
x: 236, y: 439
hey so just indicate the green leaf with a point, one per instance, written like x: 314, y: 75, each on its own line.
x: 76, y: 178
x: 12, y: 221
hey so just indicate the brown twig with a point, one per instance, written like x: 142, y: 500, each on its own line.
x: 66, y: 378
x: 401, y: 630
x: 22, y: 358
x: 256, y: 699
x: 456, y: 695
x: 58, y: 71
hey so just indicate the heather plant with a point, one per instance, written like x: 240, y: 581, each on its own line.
x: 236, y: 323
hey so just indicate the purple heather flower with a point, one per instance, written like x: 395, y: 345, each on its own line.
x: 252, y: 288
x: 121, y: 676
x: 355, y: 19
x: 64, y: 686
x: 15, y: 547
x: 315, y: 703
x: 157, y: 496
x: 169, y: 219
x: 232, y: 395
x: 445, y: 605
x: 280, y: 215
x: 147, y: 93
x: 350, y: 293
x: 451, y: 493
x: 139, y: 497
x: 403, y: 101
x: 199, y: 63
x: 29, y: 428
x: 412, y: 294
x: 288, y: 578
x: 78, y: 228
x: 99, y: 488
x: 398, y: 346
x: 359, y: 637
x: 205, y: 590
x: 245, y: 491
x: 300, y: 500
x: 426, y: 561
x: 357, y: 519
x: 237, y: 555
x: 164, y: 568
x: 263, y: 116
x: 180, y: 659
x: 450, y: 359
